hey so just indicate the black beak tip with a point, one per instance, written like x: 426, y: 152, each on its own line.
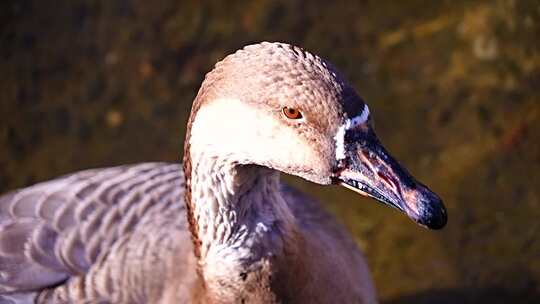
x: 434, y: 216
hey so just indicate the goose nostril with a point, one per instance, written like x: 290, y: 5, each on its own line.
x: 371, y: 161
x: 389, y: 181
x: 367, y: 155
x: 385, y: 179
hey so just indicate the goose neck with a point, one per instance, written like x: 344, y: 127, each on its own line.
x: 239, y: 211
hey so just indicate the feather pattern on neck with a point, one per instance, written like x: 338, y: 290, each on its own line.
x: 242, y: 221
x: 239, y: 210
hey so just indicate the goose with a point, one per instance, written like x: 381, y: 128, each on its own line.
x: 222, y: 228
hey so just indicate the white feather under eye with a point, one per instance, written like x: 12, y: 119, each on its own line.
x: 347, y: 125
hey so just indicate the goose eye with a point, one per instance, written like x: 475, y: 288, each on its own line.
x: 291, y: 113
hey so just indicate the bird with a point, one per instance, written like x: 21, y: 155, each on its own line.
x: 220, y: 227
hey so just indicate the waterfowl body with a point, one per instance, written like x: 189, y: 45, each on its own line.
x: 222, y: 228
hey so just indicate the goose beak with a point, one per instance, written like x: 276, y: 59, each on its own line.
x: 367, y: 168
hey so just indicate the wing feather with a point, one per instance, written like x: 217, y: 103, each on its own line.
x: 58, y: 229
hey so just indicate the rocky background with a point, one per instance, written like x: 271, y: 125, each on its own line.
x: 453, y: 85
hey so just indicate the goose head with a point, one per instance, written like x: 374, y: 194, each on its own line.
x: 273, y: 105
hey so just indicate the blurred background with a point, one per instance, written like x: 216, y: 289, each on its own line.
x: 453, y: 87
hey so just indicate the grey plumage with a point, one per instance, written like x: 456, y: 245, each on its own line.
x: 114, y: 235
x: 62, y: 229
x: 222, y: 228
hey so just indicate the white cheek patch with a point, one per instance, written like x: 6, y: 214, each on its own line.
x: 349, y: 123
x: 340, y: 144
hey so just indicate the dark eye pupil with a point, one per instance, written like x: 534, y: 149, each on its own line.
x: 292, y: 113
